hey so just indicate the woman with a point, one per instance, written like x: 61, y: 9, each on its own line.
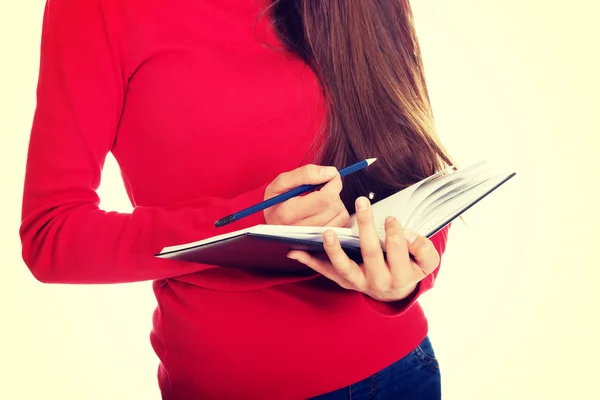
x: 210, y: 106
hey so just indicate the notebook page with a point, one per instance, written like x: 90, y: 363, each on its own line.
x: 273, y: 230
x: 394, y: 205
x: 427, y: 189
x: 456, y: 192
x: 456, y: 205
x: 441, y: 195
x: 343, y: 238
x: 184, y: 246
x: 447, y: 191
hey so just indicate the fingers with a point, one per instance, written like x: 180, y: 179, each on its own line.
x: 309, y: 174
x: 376, y: 268
x: 397, y: 254
x: 323, y: 267
x: 400, y: 245
x: 390, y: 280
x: 340, y: 268
x: 347, y: 269
x: 423, y: 251
x: 321, y: 200
x: 314, y: 209
x: 335, y: 215
x: 317, y: 208
x: 340, y: 220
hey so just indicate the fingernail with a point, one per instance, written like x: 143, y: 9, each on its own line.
x: 362, y: 204
x: 389, y: 220
x: 328, y: 172
x: 329, y: 237
x: 292, y: 256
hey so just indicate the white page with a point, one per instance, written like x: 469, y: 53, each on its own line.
x: 398, y: 206
x: 273, y: 230
x: 205, y: 241
x: 448, y: 190
x: 464, y: 198
x: 427, y: 189
x: 394, y: 205
x: 455, y: 205
x: 286, y: 230
x: 343, y: 238
x: 438, y: 201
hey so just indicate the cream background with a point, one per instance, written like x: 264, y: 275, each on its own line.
x: 513, y: 315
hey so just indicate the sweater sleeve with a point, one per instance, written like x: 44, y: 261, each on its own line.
x: 397, y: 308
x: 66, y: 237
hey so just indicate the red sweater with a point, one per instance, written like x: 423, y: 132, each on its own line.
x: 201, y: 115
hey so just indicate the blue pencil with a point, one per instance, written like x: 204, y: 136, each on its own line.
x: 288, y: 195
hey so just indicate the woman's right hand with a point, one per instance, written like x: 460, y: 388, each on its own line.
x: 319, y: 208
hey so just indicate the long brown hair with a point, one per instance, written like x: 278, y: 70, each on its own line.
x: 367, y: 58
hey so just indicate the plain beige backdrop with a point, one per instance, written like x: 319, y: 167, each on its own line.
x: 514, y: 314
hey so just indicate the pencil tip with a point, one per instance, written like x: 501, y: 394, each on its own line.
x: 224, y: 221
x: 371, y: 161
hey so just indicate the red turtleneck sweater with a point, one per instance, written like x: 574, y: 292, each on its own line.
x: 201, y: 115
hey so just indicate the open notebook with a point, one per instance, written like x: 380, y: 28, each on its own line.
x: 425, y: 207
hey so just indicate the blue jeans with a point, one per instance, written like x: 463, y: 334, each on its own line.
x: 414, y: 377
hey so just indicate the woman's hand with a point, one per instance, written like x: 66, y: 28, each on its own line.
x: 410, y: 258
x: 319, y: 208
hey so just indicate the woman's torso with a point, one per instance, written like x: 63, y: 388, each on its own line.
x: 212, y: 109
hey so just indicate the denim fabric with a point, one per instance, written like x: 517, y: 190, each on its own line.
x: 414, y: 377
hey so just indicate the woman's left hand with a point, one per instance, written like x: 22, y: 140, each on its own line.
x: 409, y: 259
